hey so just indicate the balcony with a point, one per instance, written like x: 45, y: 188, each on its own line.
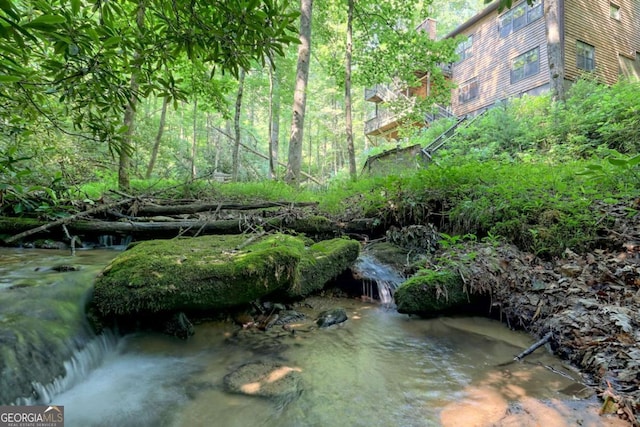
x: 447, y: 69
x: 381, y: 93
x: 382, y: 122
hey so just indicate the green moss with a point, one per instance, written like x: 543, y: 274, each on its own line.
x: 314, y: 224
x: 430, y: 293
x: 18, y: 224
x: 322, y: 262
x: 200, y: 273
x: 40, y: 327
x: 389, y: 254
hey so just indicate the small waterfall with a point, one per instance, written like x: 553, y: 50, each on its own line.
x: 111, y: 242
x: 378, y: 280
x: 77, y: 369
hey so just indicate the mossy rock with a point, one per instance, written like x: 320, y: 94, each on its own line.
x: 40, y: 328
x: 211, y: 273
x: 389, y: 254
x: 322, y: 262
x: 430, y: 293
x: 196, y: 273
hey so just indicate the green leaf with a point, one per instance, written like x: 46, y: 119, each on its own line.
x: 75, y: 6
x: 595, y: 167
x: 112, y: 41
x: 618, y: 162
x: 7, y: 7
x: 9, y: 79
x: 47, y: 20
x: 634, y: 160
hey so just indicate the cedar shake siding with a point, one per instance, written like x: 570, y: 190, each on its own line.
x: 614, y: 40
x: 492, y: 59
x: 506, y: 54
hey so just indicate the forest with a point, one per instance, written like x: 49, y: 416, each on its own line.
x: 163, y: 119
x: 129, y: 91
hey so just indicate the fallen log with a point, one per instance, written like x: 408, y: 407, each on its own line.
x: 160, y: 229
x: 152, y: 209
x: 66, y: 220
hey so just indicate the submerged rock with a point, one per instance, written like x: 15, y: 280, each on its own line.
x: 331, y: 317
x: 213, y: 273
x: 178, y: 325
x: 266, y: 379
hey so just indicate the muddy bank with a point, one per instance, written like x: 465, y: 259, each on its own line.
x: 589, y: 303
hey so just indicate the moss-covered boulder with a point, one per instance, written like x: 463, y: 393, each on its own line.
x: 430, y: 293
x: 322, y: 262
x: 214, y: 273
x: 41, y: 327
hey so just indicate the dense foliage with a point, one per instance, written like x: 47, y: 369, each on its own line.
x: 527, y: 170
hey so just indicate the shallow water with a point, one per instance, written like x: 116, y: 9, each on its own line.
x: 379, y: 368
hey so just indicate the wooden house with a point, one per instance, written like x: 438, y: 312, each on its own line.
x: 530, y: 49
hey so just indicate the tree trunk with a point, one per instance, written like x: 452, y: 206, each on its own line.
x: 156, y: 144
x: 553, y: 15
x: 353, y: 173
x: 236, y: 125
x: 194, y: 142
x: 274, y: 122
x: 294, y: 162
x: 126, y: 148
x: 264, y: 156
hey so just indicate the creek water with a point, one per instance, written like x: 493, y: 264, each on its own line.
x: 379, y: 368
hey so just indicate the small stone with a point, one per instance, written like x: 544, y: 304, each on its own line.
x: 331, y: 317
x: 571, y: 270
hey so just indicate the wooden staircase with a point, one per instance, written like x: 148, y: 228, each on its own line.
x: 436, y: 144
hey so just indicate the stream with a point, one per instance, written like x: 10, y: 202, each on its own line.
x: 379, y: 368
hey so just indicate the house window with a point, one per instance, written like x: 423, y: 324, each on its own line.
x: 465, y: 49
x: 585, y: 56
x: 525, y: 65
x: 519, y: 16
x: 535, y: 11
x: 614, y: 11
x: 468, y: 91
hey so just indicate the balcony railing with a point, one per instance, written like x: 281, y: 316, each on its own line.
x: 378, y: 123
x: 438, y: 112
x: 380, y: 93
x: 447, y: 69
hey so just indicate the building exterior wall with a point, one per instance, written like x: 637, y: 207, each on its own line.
x: 491, y: 62
x: 590, y: 22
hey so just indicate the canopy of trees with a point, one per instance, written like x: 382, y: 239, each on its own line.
x: 151, y: 88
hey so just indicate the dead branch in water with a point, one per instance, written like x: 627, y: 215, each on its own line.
x: 545, y: 339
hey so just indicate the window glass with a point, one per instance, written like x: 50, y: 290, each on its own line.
x: 525, y: 65
x: 468, y: 91
x: 585, y: 56
x: 535, y: 11
x: 519, y: 16
x: 506, y: 22
x: 465, y: 49
x: 614, y: 11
